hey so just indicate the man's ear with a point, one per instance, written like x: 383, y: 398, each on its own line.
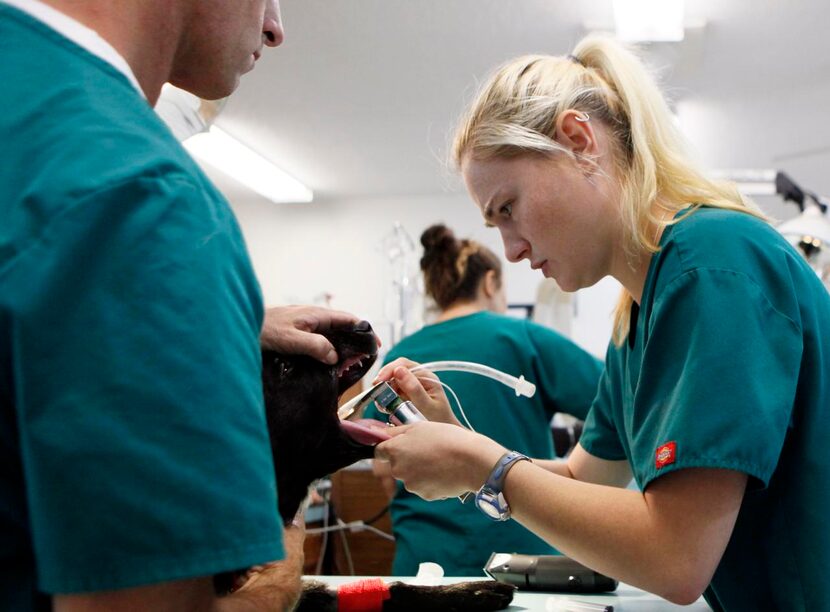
x: 575, y: 132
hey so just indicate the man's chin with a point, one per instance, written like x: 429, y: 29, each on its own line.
x: 210, y: 90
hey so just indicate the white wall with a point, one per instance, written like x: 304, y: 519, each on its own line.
x: 301, y: 251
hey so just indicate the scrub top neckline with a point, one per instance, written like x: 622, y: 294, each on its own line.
x: 77, y: 34
x: 652, y: 264
x: 461, y: 318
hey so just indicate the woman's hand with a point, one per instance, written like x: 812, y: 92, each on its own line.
x: 422, y: 388
x: 437, y: 460
x: 299, y: 330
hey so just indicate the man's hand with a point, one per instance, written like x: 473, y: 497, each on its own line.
x: 298, y: 330
x: 273, y: 586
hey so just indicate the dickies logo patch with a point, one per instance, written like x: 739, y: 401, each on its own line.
x: 665, y: 455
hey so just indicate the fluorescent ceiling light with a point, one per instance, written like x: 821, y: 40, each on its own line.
x: 649, y: 20
x: 230, y: 156
x: 750, y: 182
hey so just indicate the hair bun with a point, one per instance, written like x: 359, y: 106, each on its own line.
x: 437, y: 236
x: 440, y: 247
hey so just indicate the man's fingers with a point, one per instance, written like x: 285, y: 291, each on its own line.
x: 325, y: 319
x: 311, y: 344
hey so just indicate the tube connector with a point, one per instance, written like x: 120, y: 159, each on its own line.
x: 525, y: 387
x: 520, y: 385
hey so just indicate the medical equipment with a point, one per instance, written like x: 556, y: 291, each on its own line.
x: 519, y: 385
x: 547, y: 573
x: 400, y: 411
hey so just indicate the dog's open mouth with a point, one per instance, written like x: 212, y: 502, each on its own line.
x: 368, y: 432
x: 348, y: 363
x: 352, y: 367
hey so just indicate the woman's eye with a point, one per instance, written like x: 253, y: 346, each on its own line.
x: 506, y: 209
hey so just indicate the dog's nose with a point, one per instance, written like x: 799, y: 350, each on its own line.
x: 363, y: 326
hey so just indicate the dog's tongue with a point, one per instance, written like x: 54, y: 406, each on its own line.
x: 365, y: 431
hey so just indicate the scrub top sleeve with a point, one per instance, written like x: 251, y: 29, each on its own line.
x: 567, y: 375
x: 601, y: 434
x: 138, y: 392
x: 719, y: 371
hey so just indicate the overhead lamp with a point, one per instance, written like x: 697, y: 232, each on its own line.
x: 809, y: 232
x: 191, y: 120
x: 750, y: 182
x: 217, y: 148
x: 649, y: 20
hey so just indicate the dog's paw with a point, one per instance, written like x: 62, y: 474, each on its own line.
x: 316, y: 597
x: 478, y: 595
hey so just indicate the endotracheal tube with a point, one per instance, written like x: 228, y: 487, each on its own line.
x: 519, y: 385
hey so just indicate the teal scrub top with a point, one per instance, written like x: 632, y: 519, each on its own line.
x: 133, y: 445
x: 458, y: 536
x: 726, y: 366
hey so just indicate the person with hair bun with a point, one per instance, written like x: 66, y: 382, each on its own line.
x: 715, y: 396
x: 464, y: 278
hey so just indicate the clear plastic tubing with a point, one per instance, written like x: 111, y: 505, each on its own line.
x: 519, y: 385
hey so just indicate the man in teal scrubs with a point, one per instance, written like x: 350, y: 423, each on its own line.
x: 134, y: 457
x: 455, y: 535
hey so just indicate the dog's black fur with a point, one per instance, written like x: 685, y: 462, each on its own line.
x: 301, y: 397
x: 308, y: 442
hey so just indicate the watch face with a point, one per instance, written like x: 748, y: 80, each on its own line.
x: 491, y: 504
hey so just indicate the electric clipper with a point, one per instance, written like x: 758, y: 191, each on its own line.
x: 547, y: 573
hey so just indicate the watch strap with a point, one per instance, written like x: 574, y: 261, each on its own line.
x: 496, y: 479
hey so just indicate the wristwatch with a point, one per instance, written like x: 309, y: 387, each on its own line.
x: 490, y: 499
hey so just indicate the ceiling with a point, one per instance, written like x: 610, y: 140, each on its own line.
x: 361, y: 98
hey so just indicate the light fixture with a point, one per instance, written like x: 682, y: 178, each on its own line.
x: 649, y: 20
x: 191, y: 120
x: 809, y: 232
x: 228, y: 155
x: 750, y: 182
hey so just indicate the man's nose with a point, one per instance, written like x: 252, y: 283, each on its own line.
x: 515, y: 249
x: 272, y: 31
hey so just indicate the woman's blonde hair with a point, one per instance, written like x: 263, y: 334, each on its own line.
x: 516, y: 110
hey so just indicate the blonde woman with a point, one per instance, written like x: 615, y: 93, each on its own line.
x: 715, y: 396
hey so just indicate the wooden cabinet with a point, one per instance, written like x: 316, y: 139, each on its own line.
x: 356, y: 494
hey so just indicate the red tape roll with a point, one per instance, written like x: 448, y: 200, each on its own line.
x: 362, y: 596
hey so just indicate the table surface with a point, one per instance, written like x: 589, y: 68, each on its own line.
x: 625, y: 599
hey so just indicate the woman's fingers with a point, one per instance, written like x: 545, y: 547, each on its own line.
x: 435, y: 460
x: 410, y: 385
x: 387, y: 371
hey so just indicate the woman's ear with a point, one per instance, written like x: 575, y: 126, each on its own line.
x: 575, y: 131
x: 491, y: 284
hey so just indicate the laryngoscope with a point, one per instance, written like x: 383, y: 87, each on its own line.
x: 400, y: 411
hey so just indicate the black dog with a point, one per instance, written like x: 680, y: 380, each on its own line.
x: 309, y: 441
